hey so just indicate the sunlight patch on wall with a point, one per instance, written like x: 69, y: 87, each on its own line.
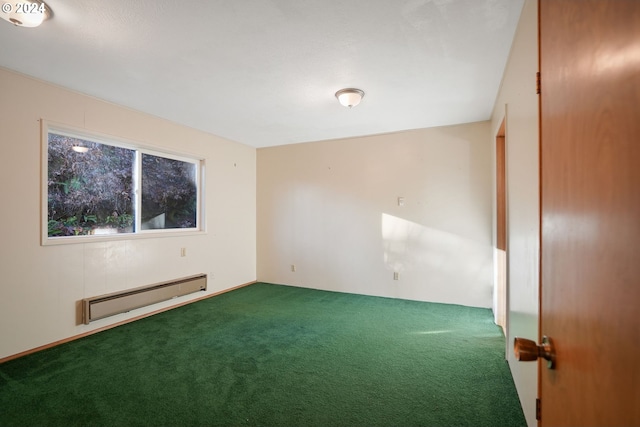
x: 438, y: 257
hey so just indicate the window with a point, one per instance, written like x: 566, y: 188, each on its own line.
x: 95, y: 187
x: 169, y: 193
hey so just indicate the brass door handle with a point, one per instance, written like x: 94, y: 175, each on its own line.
x: 527, y: 350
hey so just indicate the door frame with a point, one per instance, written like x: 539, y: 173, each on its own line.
x: 501, y: 248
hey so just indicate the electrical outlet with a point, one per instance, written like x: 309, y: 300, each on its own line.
x: 396, y: 275
x: 293, y: 268
x: 183, y: 252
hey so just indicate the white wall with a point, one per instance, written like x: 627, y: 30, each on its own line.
x: 40, y: 286
x: 518, y: 101
x: 331, y: 209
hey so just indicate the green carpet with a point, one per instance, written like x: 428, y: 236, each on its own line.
x: 272, y: 355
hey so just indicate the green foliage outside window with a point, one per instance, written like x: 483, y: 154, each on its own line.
x: 92, y: 190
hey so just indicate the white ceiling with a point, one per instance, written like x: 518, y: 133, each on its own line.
x: 264, y: 72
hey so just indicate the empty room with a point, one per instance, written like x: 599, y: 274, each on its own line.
x: 318, y: 213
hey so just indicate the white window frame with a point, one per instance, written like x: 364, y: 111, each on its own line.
x: 48, y: 126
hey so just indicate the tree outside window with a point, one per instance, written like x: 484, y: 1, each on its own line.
x: 92, y: 189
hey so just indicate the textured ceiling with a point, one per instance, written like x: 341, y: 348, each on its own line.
x: 264, y: 72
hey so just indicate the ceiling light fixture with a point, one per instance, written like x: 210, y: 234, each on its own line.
x: 27, y: 13
x: 349, y: 97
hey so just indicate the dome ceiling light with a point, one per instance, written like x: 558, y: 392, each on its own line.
x: 26, y: 13
x: 349, y: 97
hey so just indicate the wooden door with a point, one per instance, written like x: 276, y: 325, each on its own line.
x: 590, y: 211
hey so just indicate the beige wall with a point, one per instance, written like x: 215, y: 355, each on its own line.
x: 40, y: 285
x: 330, y: 208
x: 518, y: 101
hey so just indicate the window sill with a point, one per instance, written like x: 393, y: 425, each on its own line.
x: 70, y: 240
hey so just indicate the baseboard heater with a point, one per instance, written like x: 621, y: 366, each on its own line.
x: 120, y: 302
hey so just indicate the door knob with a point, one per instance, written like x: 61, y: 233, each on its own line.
x: 527, y: 350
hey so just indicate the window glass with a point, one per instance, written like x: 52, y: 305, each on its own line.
x: 169, y: 193
x: 95, y: 188
x: 90, y: 187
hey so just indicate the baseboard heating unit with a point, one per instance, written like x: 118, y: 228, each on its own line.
x: 120, y: 302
